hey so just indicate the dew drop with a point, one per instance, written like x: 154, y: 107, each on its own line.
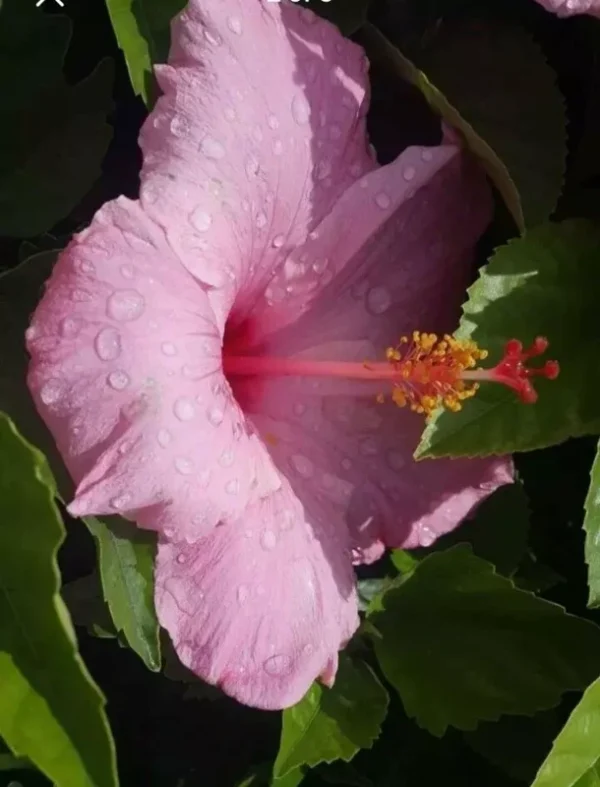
x: 396, y: 460
x: 212, y: 38
x: 179, y: 126
x: 378, y: 300
x: 80, y: 296
x: 201, y: 220
x: 163, y: 438
x: 426, y: 536
x: 287, y: 520
x: 125, y: 305
x: 272, y: 122
x: 118, y: 380
x: 215, y: 415
x: 51, y: 392
x: 70, y: 327
x: 85, y: 266
x: 169, y: 349
x: 261, y: 220
x: 183, y: 466
x: 127, y: 271
x: 184, y: 409
x: 278, y: 147
x: 108, y: 344
x: 369, y: 446
x: 278, y: 241
x: 242, y: 594
x: 277, y: 665
x: 346, y: 464
x: 299, y: 409
x: 119, y: 502
x: 252, y: 167
x: 230, y: 114
x: 181, y: 558
x: 302, y: 465
x: 232, y: 487
x: 426, y: 155
x: 409, y: 173
x: 268, y: 540
x: 212, y: 148
x: 234, y: 23
x: 300, y: 110
x: 383, y: 201
x: 335, y: 132
x: 226, y: 459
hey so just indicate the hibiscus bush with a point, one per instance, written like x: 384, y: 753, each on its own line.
x: 298, y: 393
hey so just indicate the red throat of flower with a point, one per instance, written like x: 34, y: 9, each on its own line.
x: 425, y: 372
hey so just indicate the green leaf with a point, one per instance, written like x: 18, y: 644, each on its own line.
x: 498, y: 531
x: 575, y: 757
x: 50, y: 709
x: 333, y: 724
x: 538, y: 284
x: 348, y: 15
x: 142, y: 29
x: 521, y: 144
x: 87, y: 607
x: 126, y: 558
x: 591, y: 525
x: 461, y: 644
x: 53, y: 136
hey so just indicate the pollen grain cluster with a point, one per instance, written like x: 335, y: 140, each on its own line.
x: 429, y: 371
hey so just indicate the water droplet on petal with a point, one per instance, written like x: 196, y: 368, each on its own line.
x: 272, y: 122
x: 226, y: 459
x: 232, y: 487
x: 230, y: 113
x: 201, y: 220
x: 323, y: 170
x: 335, y: 132
x: 383, y: 201
x: 51, y: 391
x: 427, y: 155
x: 164, y: 438
x: 119, y: 502
x: 242, y: 594
x: 181, y: 558
x: 299, y: 409
x: 261, y: 220
x: 125, y: 305
x: 300, y: 110
x: 234, y: 23
x: 85, y: 266
x: 127, y: 271
x: 268, y: 540
x: 252, y: 167
x: 287, y: 521
x: 183, y: 466
x: 108, y: 344
x: 278, y: 147
x: 369, y: 446
x: 303, y: 466
x: 378, y: 300
x: 409, y: 173
x: 212, y: 38
x: 168, y: 348
x: 278, y: 665
x: 80, y: 296
x: 212, y: 148
x: 278, y: 241
x: 184, y: 409
x: 215, y: 415
x: 426, y: 536
x: 179, y: 126
x: 71, y: 327
x: 346, y: 464
x: 118, y: 380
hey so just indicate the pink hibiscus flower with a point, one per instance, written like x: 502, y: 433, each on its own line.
x: 572, y: 7
x: 198, y: 353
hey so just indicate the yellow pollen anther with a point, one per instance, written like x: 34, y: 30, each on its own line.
x: 429, y: 369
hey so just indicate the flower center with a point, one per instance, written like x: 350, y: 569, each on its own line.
x: 424, y: 371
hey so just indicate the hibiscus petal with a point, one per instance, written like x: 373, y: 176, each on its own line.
x: 126, y: 371
x: 403, y: 266
x: 261, y: 606
x: 572, y: 7
x: 261, y: 127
